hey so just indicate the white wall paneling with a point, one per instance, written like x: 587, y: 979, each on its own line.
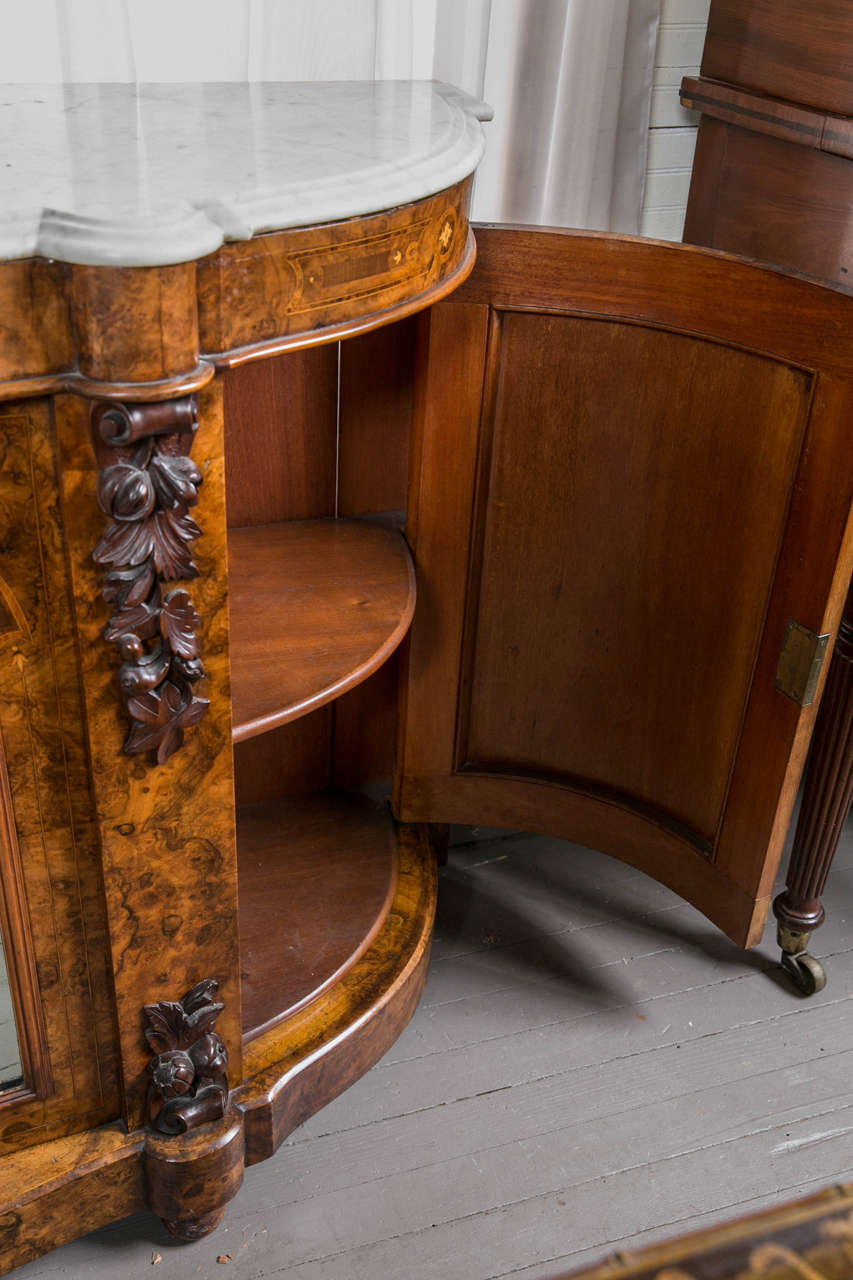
x: 672, y: 132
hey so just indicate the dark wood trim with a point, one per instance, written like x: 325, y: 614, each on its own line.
x: 763, y: 114
x: 146, y: 487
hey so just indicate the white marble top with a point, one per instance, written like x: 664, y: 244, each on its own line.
x: 146, y: 175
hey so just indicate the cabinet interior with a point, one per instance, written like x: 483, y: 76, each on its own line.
x: 321, y: 595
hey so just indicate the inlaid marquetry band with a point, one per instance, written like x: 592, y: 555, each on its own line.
x: 147, y: 484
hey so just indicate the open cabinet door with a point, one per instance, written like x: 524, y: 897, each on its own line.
x: 629, y: 508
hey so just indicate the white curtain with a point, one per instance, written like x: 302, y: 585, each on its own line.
x: 570, y: 80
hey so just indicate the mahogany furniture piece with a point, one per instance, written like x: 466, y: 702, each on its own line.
x: 772, y: 180
x: 628, y: 519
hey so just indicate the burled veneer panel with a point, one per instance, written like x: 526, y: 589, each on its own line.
x: 42, y: 727
x: 135, y: 324
x: 167, y: 832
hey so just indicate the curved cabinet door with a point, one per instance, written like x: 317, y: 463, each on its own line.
x: 630, y: 495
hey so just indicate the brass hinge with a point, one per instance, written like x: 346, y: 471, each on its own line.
x: 800, y: 662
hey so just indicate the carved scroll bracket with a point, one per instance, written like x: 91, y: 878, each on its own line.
x: 146, y: 487
x: 189, y: 1079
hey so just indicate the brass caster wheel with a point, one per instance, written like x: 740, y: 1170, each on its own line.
x: 807, y: 973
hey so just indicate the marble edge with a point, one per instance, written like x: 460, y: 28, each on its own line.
x: 184, y: 231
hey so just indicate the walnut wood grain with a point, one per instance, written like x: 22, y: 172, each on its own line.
x: 610, y: 606
x: 189, y: 1180
x: 365, y: 727
x: 164, y: 914
x: 317, y: 878
x: 96, y: 389
x: 315, y: 608
x: 43, y: 731
x: 153, y: 333
x: 763, y: 114
x: 611, y: 693
x: 169, y: 870
x: 301, y: 1064
x: 63, y: 1188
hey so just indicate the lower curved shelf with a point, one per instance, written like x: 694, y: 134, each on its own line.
x: 317, y: 875
x: 298, y: 1066
x: 57, y: 1191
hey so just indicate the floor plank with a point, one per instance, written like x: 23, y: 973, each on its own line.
x: 593, y: 1067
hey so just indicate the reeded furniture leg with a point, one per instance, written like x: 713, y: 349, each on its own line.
x: 827, y: 796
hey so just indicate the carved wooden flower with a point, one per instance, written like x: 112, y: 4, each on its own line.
x: 173, y: 1073
x: 126, y: 492
x: 175, y: 479
x: 179, y: 623
x: 161, y: 716
x: 209, y: 1055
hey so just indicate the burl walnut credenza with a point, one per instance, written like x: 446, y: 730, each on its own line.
x: 773, y: 180
x: 622, y: 469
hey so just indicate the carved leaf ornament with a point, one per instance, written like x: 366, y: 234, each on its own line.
x: 146, y: 491
x: 189, y: 1080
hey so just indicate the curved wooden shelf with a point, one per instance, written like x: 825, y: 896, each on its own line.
x: 317, y: 875
x: 301, y: 1064
x: 316, y: 607
x: 290, y: 1072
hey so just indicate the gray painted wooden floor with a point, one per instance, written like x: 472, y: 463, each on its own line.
x: 593, y: 1066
